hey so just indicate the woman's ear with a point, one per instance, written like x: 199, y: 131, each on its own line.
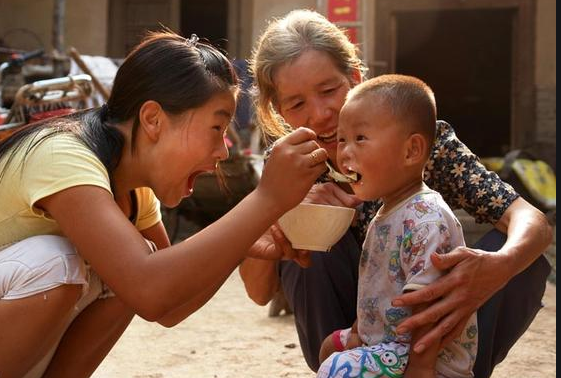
x: 150, y: 119
x: 356, y: 77
x: 416, y: 149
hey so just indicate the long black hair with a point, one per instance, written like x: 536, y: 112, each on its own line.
x: 176, y: 72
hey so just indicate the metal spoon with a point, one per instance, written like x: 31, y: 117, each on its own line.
x: 338, y: 176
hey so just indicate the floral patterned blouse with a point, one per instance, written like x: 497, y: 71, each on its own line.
x: 458, y: 175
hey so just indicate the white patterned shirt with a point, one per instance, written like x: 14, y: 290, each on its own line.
x: 395, y: 259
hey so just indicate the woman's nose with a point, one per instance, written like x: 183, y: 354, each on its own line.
x: 319, y: 112
x: 223, y: 152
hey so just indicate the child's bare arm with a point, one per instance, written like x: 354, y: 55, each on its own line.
x: 422, y: 365
x: 335, y: 343
x: 327, y: 347
x: 354, y: 341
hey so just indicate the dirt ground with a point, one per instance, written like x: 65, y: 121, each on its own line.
x: 230, y: 337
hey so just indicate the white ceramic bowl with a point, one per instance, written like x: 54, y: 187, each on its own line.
x: 315, y: 227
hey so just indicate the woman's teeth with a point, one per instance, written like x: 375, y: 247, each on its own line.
x: 328, y: 137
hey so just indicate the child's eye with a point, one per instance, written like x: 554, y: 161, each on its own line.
x: 360, y: 137
x: 341, y: 140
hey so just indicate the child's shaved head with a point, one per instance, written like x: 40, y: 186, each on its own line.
x: 409, y: 99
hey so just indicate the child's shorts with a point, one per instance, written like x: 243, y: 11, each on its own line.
x: 38, y: 264
x: 377, y: 361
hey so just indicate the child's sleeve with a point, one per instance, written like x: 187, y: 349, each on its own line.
x: 421, y: 241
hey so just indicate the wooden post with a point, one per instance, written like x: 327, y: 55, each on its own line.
x: 74, y: 54
x: 58, y: 37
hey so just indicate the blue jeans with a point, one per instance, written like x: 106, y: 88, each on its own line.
x: 323, y: 298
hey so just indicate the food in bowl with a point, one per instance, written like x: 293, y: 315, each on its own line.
x: 315, y: 227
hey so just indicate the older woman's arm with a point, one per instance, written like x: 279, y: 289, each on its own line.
x: 259, y: 271
x: 528, y: 235
x: 260, y: 279
x: 260, y: 276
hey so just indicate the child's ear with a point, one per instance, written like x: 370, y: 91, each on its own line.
x: 150, y: 121
x: 416, y: 147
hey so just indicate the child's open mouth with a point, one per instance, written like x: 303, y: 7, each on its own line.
x: 353, y: 175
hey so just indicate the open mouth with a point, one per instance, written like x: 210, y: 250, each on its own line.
x: 191, y: 182
x: 350, y: 172
x: 328, y: 137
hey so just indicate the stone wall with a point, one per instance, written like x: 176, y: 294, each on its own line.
x: 29, y: 24
x: 546, y: 119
